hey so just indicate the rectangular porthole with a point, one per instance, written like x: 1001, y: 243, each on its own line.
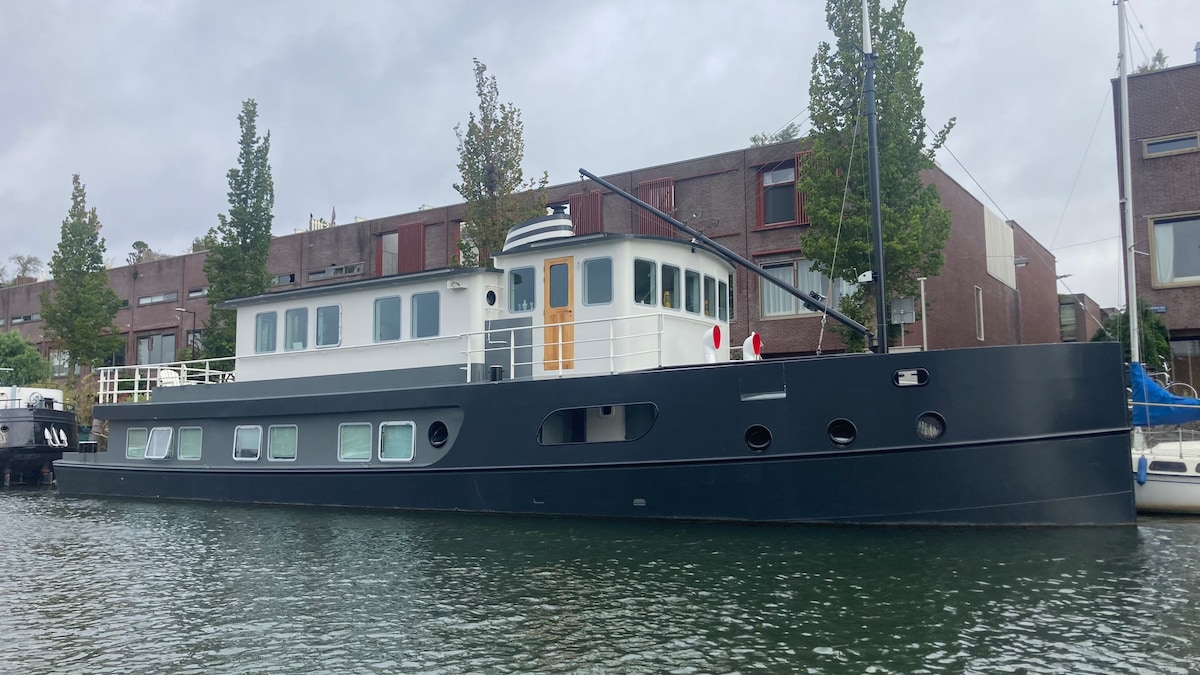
x: 159, y: 444
x: 135, y: 442
x: 354, y: 442
x: 396, y: 441
x: 247, y: 443
x: 190, y: 441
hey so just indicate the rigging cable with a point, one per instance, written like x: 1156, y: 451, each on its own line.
x: 1082, y: 161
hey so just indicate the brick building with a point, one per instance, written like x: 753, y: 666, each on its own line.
x: 1164, y: 131
x: 1079, y: 317
x: 997, y: 286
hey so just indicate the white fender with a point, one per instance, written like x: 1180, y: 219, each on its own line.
x: 752, y: 348
x: 712, y: 342
x: 62, y: 439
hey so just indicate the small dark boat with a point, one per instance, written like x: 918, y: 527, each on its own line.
x: 36, y: 427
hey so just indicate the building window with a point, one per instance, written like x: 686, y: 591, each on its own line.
x: 60, y: 363
x: 1067, y: 324
x: 198, y: 292
x: 401, y: 251
x: 195, y: 341
x: 1171, y: 145
x: 978, y: 313
x: 779, y: 203
x: 670, y: 287
x: 329, y: 326
x: 597, y: 281
x: 335, y: 271
x: 135, y: 442
x: 354, y: 442
x: 396, y: 441
x: 247, y: 442
x: 295, y: 329
x: 660, y: 194
x: 264, y: 333
x: 387, y: 318
x: 190, y: 442
x: 691, y: 283
x: 156, y: 348
x: 521, y: 293
x: 281, y: 442
x: 1175, y: 250
x: 643, y: 281
x: 426, y: 315
x: 800, y: 275
x: 26, y: 318
x: 587, y: 212
x: 283, y: 279
x: 159, y: 444
x: 161, y: 297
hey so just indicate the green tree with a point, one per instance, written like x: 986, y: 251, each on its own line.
x: 1155, y: 340
x: 915, y: 226
x: 789, y: 133
x: 236, y: 265
x: 26, y: 266
x: 1156, y: 62
x: 28, y: 365
x: 143, y: 253
x: 79, y: 310
x: 490, y: 151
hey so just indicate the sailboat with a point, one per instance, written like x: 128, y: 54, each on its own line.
x: 1166, y: 464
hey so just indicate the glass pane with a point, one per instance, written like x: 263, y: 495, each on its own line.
x: 1171, y: 145
x: 775, y: 300
x: 387, y: 319
x: 560, y: 288
x: 597, y: 281
x: 329, y: 326
x: 396, y: 440
x: 521, y: 292
x: 281, y: 444
x: 264, y: 333
x: 670, y: 287
x: 159, y: 444
x: 723, y: 301
x: 135, y: 443
x: 295, y: 328
x: 425, y: 316
x: 354, y: 441
x: 643, y: 282
x: 390, y: 255
x: 189, y: 442
x: 779, y: 204
x: 778, y: 176
x: 710, y: 296
x: 692, y: 282
x: 247, y: 442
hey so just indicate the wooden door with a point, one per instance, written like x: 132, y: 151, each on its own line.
x: 559, y: 308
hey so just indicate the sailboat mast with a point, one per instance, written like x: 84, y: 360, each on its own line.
x: 1131, y: 305
x: 873, y: 163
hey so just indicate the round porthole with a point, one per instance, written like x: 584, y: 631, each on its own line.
x: 758, y: 438
x: 491, y: 298
x: 842, y: 432
x: 930, y: 426
x: 438, y: 434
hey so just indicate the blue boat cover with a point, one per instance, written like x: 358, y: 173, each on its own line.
x: 1167, y: 408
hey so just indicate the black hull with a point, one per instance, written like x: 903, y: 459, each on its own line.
x: 1034, y: 435
x: 25, y: 455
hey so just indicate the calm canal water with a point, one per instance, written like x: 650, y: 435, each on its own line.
x: 118, y: 586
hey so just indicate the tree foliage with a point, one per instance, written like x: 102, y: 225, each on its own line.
x: 915, y: 226
x: 79, y: 311
x: 1155, y: 342
x: 28, y: 365
x: 789, y: 133
x: 236, y: 265
x: 143, y: 253
x: 25, y: 266
x: 493, y: 185
x: 1156, y: 62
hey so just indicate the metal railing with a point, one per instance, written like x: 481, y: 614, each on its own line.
x: 121, y: 384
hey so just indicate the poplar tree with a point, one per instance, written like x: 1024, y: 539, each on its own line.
x: 236, y: 264
x: 915, y: 225
x: 79, y: 311
x: 490, y: 152
x: 27, y: 364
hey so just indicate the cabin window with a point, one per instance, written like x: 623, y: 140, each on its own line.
x: 295, y: 328
x: 643, y: 282
x: 978, y: 313
x: 710, y: 296
x: 521, y: 292
x: 135, y: 442
x: 597, y: 424
x: 691, y: 281
x: 387, y: 318
x: 670, y: 287
x: 426, y: 315
x: 159, y: 445
x: 560, y: 285
x: 281, y: 442
x: 247, y: 442
x: 329, y: 326
x: 723, y: 301
x: 396, y: 441
x: 354, y: 442
x: 1176, y: 467
x: 597, y: 281
x: 264, y: 333
x: 190, y: 439
x: 1173, y: 245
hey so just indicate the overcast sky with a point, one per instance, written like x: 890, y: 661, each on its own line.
x: 141, y: 98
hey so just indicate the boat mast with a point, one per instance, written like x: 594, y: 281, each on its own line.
x: 1131, y: 305
x: 873, y: 163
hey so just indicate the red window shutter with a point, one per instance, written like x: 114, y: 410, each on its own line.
x: 587, y: 212
x: 801, y: 198
x: 411, y: 248
x: 660, y: 194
